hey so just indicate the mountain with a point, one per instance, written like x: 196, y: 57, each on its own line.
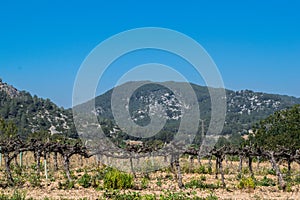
x: 244, y: 108
x: 32, y: 114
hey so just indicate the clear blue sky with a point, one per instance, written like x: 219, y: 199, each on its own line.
x: 255, y: 44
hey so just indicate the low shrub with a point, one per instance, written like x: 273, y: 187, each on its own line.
x: 114, y: 179
x: 85, y: 180
x: 202, y: 170
x: 271, y: 171
x: 266, y: 182
x: 246, y: 183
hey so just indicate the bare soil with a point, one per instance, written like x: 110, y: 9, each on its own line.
x: 158, y: 183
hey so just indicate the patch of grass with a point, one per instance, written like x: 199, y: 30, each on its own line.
x: 159, y: 183
x: 202, y: 170
x: 145, y: 182
x: 271, y: 171
x: 209, y: 170
x: 85, y: 180
x: 66, y: 185
x: 239, y: 176
x: 186, y: 168
x: 284, y: 170
x: 79, y: 170
x: 34, y: 180
x: 169, y: 177
x: 297, y: 179
x: 116, y: 195
x: 289, y: 187
x: 226, y: 170
x: 17, y: 170
x: 246, y: 183
x: 266, y: 182
x: 114, y: 179
x: 182, y: 196
x: 211, y: 197
x: 203, y: 178
x: 245, y: 170
x: 198, y: 183
x: 17, y: 195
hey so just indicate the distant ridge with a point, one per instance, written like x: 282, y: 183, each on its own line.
x: 244, y: 108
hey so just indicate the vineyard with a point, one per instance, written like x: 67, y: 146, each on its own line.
x: 264, y: 166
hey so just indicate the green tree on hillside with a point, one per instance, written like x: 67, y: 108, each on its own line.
x: 279, y: 135
x: 280, y: 130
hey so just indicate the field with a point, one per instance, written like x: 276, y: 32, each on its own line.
x: 90, y: 181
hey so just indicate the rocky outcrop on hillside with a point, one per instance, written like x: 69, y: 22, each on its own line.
x: 9, y: 90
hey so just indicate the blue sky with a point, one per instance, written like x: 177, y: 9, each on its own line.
x: 255, y: 44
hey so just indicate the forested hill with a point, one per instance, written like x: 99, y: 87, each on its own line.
x: 32, y: 114
x: 244, y: 108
